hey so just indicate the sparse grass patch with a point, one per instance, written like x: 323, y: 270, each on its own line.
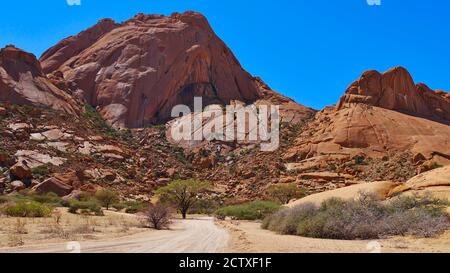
x: 364, y: 218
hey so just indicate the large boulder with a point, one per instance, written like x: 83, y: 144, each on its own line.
x: 53, y: 185
x: 17, y: 185
x: 21, y: 170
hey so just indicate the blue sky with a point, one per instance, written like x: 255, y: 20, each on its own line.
x: 310, y: 50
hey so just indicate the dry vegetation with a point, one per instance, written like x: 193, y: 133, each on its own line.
x: 63, y: 226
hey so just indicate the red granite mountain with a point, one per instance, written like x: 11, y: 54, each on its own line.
x: 135, y: 72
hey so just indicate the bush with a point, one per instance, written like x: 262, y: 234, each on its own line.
x: 106, y: 197
x: 284, y: 193
x: 88, y: 206
x: 50, y: 198
x: 28, y: 209
x: 133, y: 207
x: 119, y: 206
x: 256, y: 210
x: 158, y: 216
x: 364, y: 218
x: 205, y: 206
x: 41, y: 171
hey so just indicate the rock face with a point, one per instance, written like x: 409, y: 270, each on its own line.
x: 395, y: 90
x: 380, y: 114
x: 136, y: 71
x: 22, y: 81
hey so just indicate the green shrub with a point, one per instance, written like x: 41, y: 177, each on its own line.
x: 133, y: 207
x: 41, y: 171
x: 284, y: 193
x: 91, y: 206
x: 119, y: 206
x: 28, y: 209
x: 205, y: 206
x: 249, y: 211
x: 364, y: 218
x: 50, y: 198
x: 106, y: 197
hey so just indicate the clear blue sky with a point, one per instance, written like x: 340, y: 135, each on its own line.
x: 310, y: 50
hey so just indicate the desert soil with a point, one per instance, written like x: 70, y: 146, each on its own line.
x: 185, y: 236
x: 117, y: 233
x: 248, y: 237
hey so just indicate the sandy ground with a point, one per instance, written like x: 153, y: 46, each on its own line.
x: 199, y: 235
x: 64, y: 226
x: 248, y: 237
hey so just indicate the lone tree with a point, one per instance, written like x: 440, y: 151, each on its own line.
x: 183, y: 194
x: 284, y: 193
x: 106, y: 197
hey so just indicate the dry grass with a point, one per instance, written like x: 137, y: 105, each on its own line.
x: 64, y: 226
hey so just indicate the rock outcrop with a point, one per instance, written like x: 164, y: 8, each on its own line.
x: 436, y: 181
x: 22, y: 81
x: 136, y: 71
x: 380, y: 114
x: 395, y: 90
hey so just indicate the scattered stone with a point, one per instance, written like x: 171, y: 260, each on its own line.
x: 162, y: 182
x: 37, y: 137
x: 87, y: 148
x: 109, y: 149
x: 55, y: 135
x: 74, y: 195
x: 19, y: 127
x: 34, y: 183
x: 18, y: 185
x: 60, y: 146
x: 108, y: 176
x: 171, y: 172
x: 96, y: 138
x: 35, y: 159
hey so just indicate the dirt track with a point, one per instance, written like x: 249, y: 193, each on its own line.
x: 188, y: 236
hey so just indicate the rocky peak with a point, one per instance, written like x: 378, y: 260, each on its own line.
x: 135, y: 72
x: 73, y: 45
x: 395, y: 90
